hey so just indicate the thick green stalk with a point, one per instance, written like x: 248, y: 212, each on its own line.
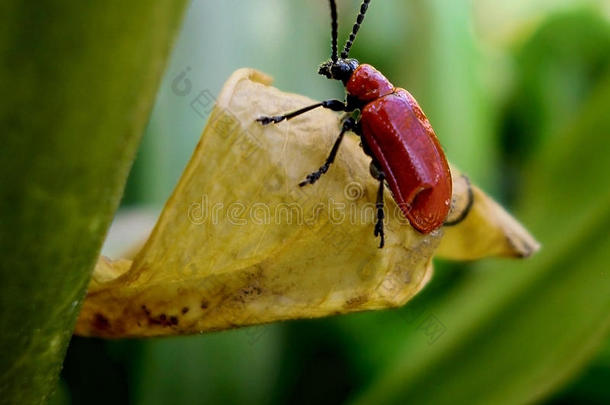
x: 78, y: 82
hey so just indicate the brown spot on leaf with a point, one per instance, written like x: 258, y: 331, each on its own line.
x: 355, y: 301
x: 162, y: 319
x: 250, y: 290
x: 101, y: 322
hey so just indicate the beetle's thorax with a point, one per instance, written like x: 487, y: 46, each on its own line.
x: 368, y: 84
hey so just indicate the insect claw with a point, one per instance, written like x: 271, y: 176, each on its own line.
x: 268, y: 120
x: 310, y: 179
x: 379, y: 232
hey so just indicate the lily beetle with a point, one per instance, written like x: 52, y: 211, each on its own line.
x: 394, y: 132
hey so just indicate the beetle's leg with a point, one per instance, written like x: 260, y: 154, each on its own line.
x: 311, y: 178
x: 465, y: 206
x: 379, y: 175
x: 335, y: 105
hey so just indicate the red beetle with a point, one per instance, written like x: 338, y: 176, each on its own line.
x: 394, y: 131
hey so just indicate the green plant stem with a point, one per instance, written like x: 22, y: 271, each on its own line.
x: 78, y: 82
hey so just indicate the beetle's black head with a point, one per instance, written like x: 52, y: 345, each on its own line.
x: 341, y: 69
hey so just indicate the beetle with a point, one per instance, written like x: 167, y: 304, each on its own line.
x: 394, y: 132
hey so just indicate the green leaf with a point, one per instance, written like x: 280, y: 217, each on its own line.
x: 460, y: 110
x: 559, y: 67
x: 79, y: 79
x: 237, y: 367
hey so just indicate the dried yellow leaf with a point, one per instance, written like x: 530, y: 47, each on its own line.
x: 239, y: 243
x: 487, y: 230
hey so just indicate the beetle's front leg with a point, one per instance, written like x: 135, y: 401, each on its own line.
x: 379, y: 175
x: 335, y: 105
x: 311, y: 178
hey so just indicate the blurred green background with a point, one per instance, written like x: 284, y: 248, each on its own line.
x: 519, y: 94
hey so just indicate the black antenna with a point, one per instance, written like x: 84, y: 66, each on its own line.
x: 352, y: 36
x: 334, y: 28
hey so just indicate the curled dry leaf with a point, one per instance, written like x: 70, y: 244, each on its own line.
x: 239, y: 243
x: 487, y: 229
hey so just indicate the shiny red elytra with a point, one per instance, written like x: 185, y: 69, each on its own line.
x: 406, y: 148
x: 394, y: 131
